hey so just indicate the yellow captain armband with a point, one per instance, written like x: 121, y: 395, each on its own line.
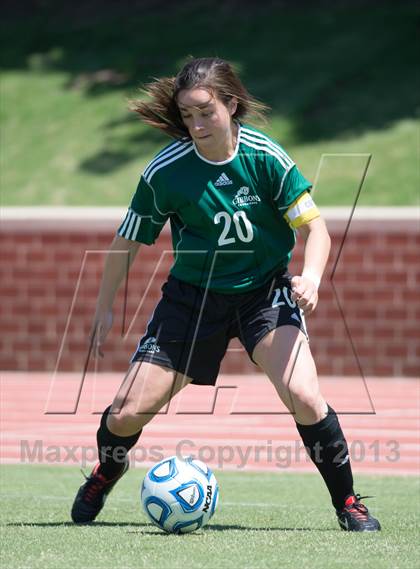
x: 301, y: 211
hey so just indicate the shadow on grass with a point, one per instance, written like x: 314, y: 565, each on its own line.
x: 352, y: 69
x: 211, y: 527
x: 132, y: 146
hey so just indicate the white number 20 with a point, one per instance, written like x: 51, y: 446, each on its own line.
x: 245, y: 236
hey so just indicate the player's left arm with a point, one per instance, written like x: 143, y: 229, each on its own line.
x: 304, y: 217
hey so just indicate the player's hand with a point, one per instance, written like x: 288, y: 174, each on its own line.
x: 102, y: 324
x: 305, y: 294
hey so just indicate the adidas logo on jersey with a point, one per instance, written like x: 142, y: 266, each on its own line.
x: 150, y: 346
x: 243, y: 197
x: 223, y: 180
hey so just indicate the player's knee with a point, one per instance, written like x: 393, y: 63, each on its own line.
x: 132, y: 405
x: 308, y: 406
x: 126, y: 421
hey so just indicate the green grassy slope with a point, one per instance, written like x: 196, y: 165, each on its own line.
x: 264, y: 520
x: 340, y: 79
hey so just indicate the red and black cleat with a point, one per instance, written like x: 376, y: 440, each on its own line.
x: 355, y: 516
x: 90, y: 498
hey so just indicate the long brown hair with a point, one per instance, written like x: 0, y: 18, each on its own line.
x: 217, y: 75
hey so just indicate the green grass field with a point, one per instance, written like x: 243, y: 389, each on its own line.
x: 264, y: 520
x: 340, y: 79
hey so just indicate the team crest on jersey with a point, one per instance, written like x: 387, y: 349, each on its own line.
x: 243, y: 197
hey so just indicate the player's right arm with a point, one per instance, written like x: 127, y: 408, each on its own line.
x: 121, y: 254
x: 142, y: 224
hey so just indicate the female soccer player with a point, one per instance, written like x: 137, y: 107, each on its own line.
x: 235, y: 200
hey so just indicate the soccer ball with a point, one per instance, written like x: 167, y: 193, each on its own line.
x: 180, y: 495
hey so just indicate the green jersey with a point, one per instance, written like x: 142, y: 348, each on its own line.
x: 228, y: 229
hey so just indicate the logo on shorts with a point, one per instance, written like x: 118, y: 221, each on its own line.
x: 243, y: 197
x: 150, y: 346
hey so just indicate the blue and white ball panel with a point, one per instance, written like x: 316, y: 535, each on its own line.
x: 200, y: 466
x: 190, y: 495
x: 187, y: 527
x: 215, y: 500
x: 164, y: 470
x: 157, y: 509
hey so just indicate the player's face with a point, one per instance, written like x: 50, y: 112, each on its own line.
x: 208, y: 119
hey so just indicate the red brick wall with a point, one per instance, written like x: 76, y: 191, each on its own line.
x: 41, y: 262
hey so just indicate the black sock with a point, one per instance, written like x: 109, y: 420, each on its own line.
x: 327, y: 447
x: 112, y: 449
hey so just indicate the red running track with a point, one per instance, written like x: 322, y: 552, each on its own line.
x: 241, y: 425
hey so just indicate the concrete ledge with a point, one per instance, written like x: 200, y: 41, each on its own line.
x: 107, y: 219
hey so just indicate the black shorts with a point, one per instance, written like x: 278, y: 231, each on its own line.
x: 190, y: 328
